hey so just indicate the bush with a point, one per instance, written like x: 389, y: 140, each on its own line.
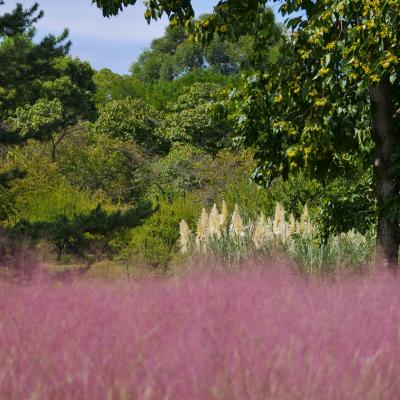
x: 42, y: 193
x: 227, y: 177
x: 154, y: 243
x: 62, y: 200
x: 346, y: 205
x: 83, y: 232
x: 296, y: 191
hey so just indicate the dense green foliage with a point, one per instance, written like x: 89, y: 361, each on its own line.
x: 229, y: 107
x: 131, y: 120
x: 189, y: 120
x: 48, y: 96
x: 175, y: 55
x: 330, y: 95
x: 111, y: 86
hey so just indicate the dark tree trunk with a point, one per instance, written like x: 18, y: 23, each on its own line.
x: 387, y: 140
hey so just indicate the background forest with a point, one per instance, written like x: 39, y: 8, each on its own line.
x: 95, y: 165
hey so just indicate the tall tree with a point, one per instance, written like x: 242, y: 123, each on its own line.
x: 334, y: 89
x: 132, y: 120
x: 43, y: 92
x: 21, y: 63
x: 175, y: 55
x: 331, y: 99
x: 32, y: 72
x: 189, y: 119
x: 24, y: 66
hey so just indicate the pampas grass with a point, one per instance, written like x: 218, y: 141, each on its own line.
x: 233, y: 238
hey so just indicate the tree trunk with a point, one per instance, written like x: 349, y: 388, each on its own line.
x: 387, y: 140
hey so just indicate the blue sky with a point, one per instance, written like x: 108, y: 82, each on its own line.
x: 112, y: 43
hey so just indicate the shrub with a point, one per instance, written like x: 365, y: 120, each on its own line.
x: 347, y: 204
x: 85, y: 231
x: 226, y: 176
x: 43, y: 193
x: 296, y: 191
x: 49, y: 205
x: 154, y: 243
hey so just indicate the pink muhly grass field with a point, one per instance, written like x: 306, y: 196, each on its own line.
x: 262, y: 333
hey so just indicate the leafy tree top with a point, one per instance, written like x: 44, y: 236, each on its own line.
x: 174, y: 55
x: 20, y: 20
x: 42, y: 89
x: 320, y: 85
x: 131, y: 120
x: 229, y: 16
x: 189, y: 119
x: 363, y: 32
x: 315, y: 101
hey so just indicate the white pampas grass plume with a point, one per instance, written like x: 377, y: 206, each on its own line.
x: 214, y: 228
x: 202, y: 225
x: 198, y: 245
x: 305, y: 223
x: 223, y: 218
x: 269, y: 232
x: 237, y: 227
x: 292, y: 225
x: 279, y: 224
x: 260, y: 231
x: 185, y: 236
x: 298, y: 230
x: 258, y: 238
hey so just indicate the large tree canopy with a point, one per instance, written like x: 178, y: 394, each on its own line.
x: 226, y: 11
x: 189, y: 121
x: 175, y: 55
x: 179, y: 8
x: 132, y: 120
